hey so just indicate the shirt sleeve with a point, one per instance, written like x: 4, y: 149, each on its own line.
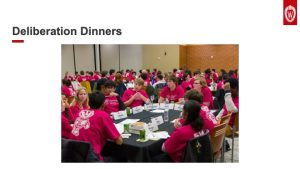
x: 125, y: 96
x: 229, y: 103
x: 174, y: 142
x: 109, y: 128
x: 163, y: 93
x: 180, y: 92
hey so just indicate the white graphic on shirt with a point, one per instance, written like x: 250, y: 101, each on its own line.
x: 82, y: 121
x: 290, y: 13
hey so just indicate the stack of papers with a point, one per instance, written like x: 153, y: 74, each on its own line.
x: 158, y: 135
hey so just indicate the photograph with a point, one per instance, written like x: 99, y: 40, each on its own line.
x: 150, y: 103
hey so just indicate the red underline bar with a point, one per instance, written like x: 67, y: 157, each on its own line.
x: 17, y: 41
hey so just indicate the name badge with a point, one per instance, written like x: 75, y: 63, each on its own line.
x: 152, y: 127
x: 178, y: 107
x: 119, y: 115
x: 157, y: 120
x: 137, y: 109
x: 155, y: 106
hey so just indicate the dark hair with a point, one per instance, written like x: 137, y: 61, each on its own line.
x: 111, y: 71
x: 160, y: 76
x: 103, y: 73
x: 197, y: 72
x: 66, y: 82
x: 109, y: 83
x: 213, y: 70
x: 100, y: 83
x: 173, y: 78
x: 234, y: 83
x: 174, y: 70
x: 192, y: 108
x: 194, y: 95
x: 185, y: 76
x: 96, y: 99
x: 144, y: 76
x: 81, y: 72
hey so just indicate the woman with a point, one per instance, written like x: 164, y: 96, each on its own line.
x: 175, y: 145
x: 186, y: 84
x: 95, y: 126
x: 201, y: 86
x: 172, y: 91
x: 209, y: 120
x: 66, y: 88
x: 136, y: 96
x: 80, y: 102
x: 113, y: 102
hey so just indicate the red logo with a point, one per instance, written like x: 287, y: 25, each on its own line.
x: 290, y: 12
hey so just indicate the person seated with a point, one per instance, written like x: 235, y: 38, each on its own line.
x: 81, y: 102
x: 120, y: 87
x: 175, y: 145
x: 136, y: 96
x: 231, y: 98
x: 201, y: 86
x: 209, y: 119
x: 172, y: 91
x: 160, y: 82
x: 95, y: 126
x: 186, y: 85
x: 113, y: 102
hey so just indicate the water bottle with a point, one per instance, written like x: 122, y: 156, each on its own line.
x: 166, y: 111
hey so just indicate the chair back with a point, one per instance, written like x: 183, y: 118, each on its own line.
x: 217, y: 137
x: 198, y: 149
x: 225, y: 119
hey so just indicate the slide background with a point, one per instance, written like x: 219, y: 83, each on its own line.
x: 268, y: 68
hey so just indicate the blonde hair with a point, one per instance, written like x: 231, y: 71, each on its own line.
x: 76, y: 100
x: 139, y: 81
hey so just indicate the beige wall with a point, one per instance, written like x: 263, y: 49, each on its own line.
x: 162, y: 57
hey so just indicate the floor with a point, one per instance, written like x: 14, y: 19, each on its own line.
x: 236, y: 151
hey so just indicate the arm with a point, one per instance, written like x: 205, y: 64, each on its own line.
x: 128, y: 102
x: 119, y: 140
x: 161, y: 99
x: 229, y: 103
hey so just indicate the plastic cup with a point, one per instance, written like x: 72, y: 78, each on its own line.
x: 126, y: 128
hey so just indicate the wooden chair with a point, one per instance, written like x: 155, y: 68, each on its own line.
x: 224, y: 119
x: 217, y: 138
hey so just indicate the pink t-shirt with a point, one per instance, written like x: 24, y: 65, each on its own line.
x: 96, y: 127
x: 176, y: 143
x: 96, y: 77
x: 220, y: 85
x: 112, y: 77
x: 207, y: 96
x: 129, y: 93
x: 111, y: 104
x: 67, y: 91
x: 174, y: 95
x: 209, y: 120
x: 186, y: 84
x: 65, y: 125
x: 74, y: 110
x: 232, y: 118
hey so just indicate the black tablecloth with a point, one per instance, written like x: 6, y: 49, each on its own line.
x: 134, y: 151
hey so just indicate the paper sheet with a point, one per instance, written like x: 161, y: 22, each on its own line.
x: 158, y: 135
x: 157, y: 111
x: 129, y: 121
x: 120, y: 127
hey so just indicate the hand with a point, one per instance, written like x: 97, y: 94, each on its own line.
x: 227, y: 86
x: 177, y: 124
x: 113, y: 94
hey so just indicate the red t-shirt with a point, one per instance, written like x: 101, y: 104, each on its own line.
x: 111, y: 104
x: 174, y: 95
x: 232, y: 118
x: 68, y: 91
x: 176, y: 143
x: 74, y: 110
x: 129, y: 93
x: 96, y: 127
x: 209, y: 120
x: 186, y: 84
x: 65, y: 125
x: 96, y: 77
x: 112, y: 77
x: 220, y: 85
x: 207, y: 96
